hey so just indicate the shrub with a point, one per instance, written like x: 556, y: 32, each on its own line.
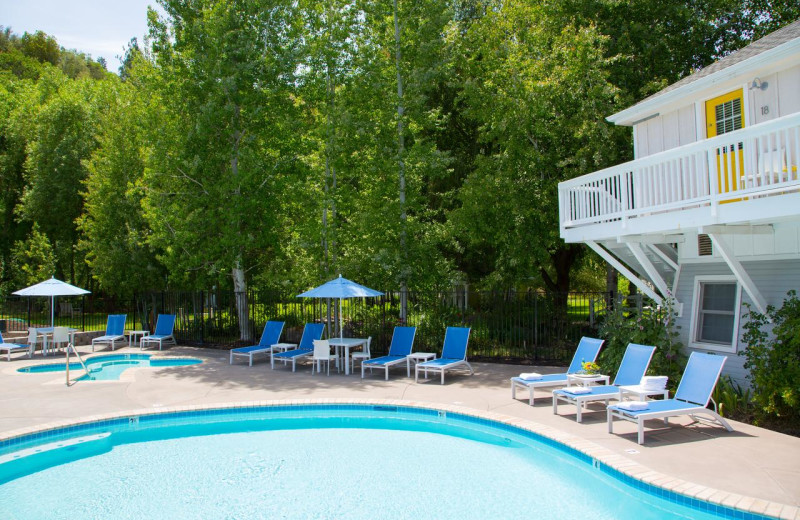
x: 653, y: 326
x: 773, y: 359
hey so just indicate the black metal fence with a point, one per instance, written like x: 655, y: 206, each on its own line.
x: 506, y: 325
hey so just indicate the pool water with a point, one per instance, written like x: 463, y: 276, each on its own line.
x: 315, y: 462
x: 110, y: 367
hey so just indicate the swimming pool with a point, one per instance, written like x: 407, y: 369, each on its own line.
x: 319, y: 461
x: 111, y: 366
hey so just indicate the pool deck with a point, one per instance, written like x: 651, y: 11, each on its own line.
x: 754, y: 469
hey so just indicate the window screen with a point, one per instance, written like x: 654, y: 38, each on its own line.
x: 716, y: 313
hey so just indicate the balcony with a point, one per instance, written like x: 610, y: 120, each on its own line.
x: 749, y: 176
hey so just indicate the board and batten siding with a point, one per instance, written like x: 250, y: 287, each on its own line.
x: 679, y: 127
x: 774, y: 278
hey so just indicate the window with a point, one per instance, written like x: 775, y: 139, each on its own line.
x: 716, y: 317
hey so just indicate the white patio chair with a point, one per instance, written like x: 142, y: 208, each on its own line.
x: 363, y: 355
x: 322, y: 352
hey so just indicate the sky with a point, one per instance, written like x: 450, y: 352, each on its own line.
x: 96, y: 27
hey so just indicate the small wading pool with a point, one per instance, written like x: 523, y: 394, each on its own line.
x: 320, y: 461
x: 110, y: 367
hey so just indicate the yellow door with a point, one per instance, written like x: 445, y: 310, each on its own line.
x: 725, y: 114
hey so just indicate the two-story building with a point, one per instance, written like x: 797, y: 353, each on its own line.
x: 708, y: 212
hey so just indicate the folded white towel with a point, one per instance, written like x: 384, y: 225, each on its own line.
x: 578, y: 390
x: 530, y: 376
x: 633, y: 406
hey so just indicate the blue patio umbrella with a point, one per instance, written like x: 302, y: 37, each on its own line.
x: 340, y: 288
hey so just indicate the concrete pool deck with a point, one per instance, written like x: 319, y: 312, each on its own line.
x: 758, y: 470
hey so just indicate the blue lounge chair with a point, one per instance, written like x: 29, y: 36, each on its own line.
x: 270, y: 336
x: 401, y: 346
x: 311, y: 332
x: 115, y: 331
x: 694, y: 393
x: 454, y: 354
x: 165, y: 325
x: 14, y: 347
x: 631, y: 370
x: 587, y: 350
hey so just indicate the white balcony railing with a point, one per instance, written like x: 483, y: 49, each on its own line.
x: 738, y: 166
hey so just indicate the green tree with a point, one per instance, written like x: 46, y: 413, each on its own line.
x: 113, y: 225
x: 32, y: 260
x: 220, y: 164
x: 61, y: 138
x: 539, y: 91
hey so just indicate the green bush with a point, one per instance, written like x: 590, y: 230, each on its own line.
x: 655, y: 327
x: 733, y: 401
x: 773, y: 359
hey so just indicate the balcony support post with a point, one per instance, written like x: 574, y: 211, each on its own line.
x: 624, y: 271
x: 649, y: 268
x: 726, y: 252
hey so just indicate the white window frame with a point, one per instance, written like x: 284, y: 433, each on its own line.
x: 698, y: 282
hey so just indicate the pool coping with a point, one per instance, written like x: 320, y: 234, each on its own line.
x: 617, y: 466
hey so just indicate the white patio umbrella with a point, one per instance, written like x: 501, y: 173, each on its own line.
x: 340, y: 288
x: 52, y: 288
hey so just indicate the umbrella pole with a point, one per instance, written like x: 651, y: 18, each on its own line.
x: 53, y: 311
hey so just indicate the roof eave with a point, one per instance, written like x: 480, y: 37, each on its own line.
x: 651, y: 107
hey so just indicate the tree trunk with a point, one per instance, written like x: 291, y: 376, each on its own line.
x: 562, y: 260
x: 237, y: 273
x: 401, y: 170
x: 612, y: 282
x: 240, y: 292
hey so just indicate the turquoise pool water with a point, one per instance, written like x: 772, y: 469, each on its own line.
x: 323, y: 461
x: 110, y: 367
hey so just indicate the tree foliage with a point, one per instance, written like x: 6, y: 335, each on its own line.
x: 273, y: 143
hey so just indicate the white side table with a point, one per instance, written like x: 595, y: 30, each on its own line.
x: 417, y: 358
x: 282, y: 347
x: 641, y: 392
x: 134, y: 334
x: 587, y: 380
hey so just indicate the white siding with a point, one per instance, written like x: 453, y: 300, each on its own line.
x: 783, y: 242
x: 789, y: 91
x: 763, y: 103
x: 655, y: 136
x: 688, y: 125
x: 666, y: 131
x: 773, y: 278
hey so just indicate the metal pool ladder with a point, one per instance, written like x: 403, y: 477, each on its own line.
x: 61, y: 335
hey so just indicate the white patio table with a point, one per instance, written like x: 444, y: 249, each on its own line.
x: 347, y: 344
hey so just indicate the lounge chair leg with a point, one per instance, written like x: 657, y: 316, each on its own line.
x: 442, y: 376
x: 530, y: 398
x: 610, y: 420
x: 578, y: 417
x: 513, y: 390
x: 555, y: 405
x: 362, y: 370
x: 416, y: 376
x: 387, y: 373
x: 641, y: 431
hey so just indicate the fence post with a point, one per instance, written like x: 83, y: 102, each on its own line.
x: 535, y: 326
x: 202, y: 314
x: 591, y: 312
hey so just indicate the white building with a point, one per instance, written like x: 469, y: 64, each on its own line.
x: 709, y: 210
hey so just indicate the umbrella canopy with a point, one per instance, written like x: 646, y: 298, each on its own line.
x: 340, y: 288
x: 51, y: 288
